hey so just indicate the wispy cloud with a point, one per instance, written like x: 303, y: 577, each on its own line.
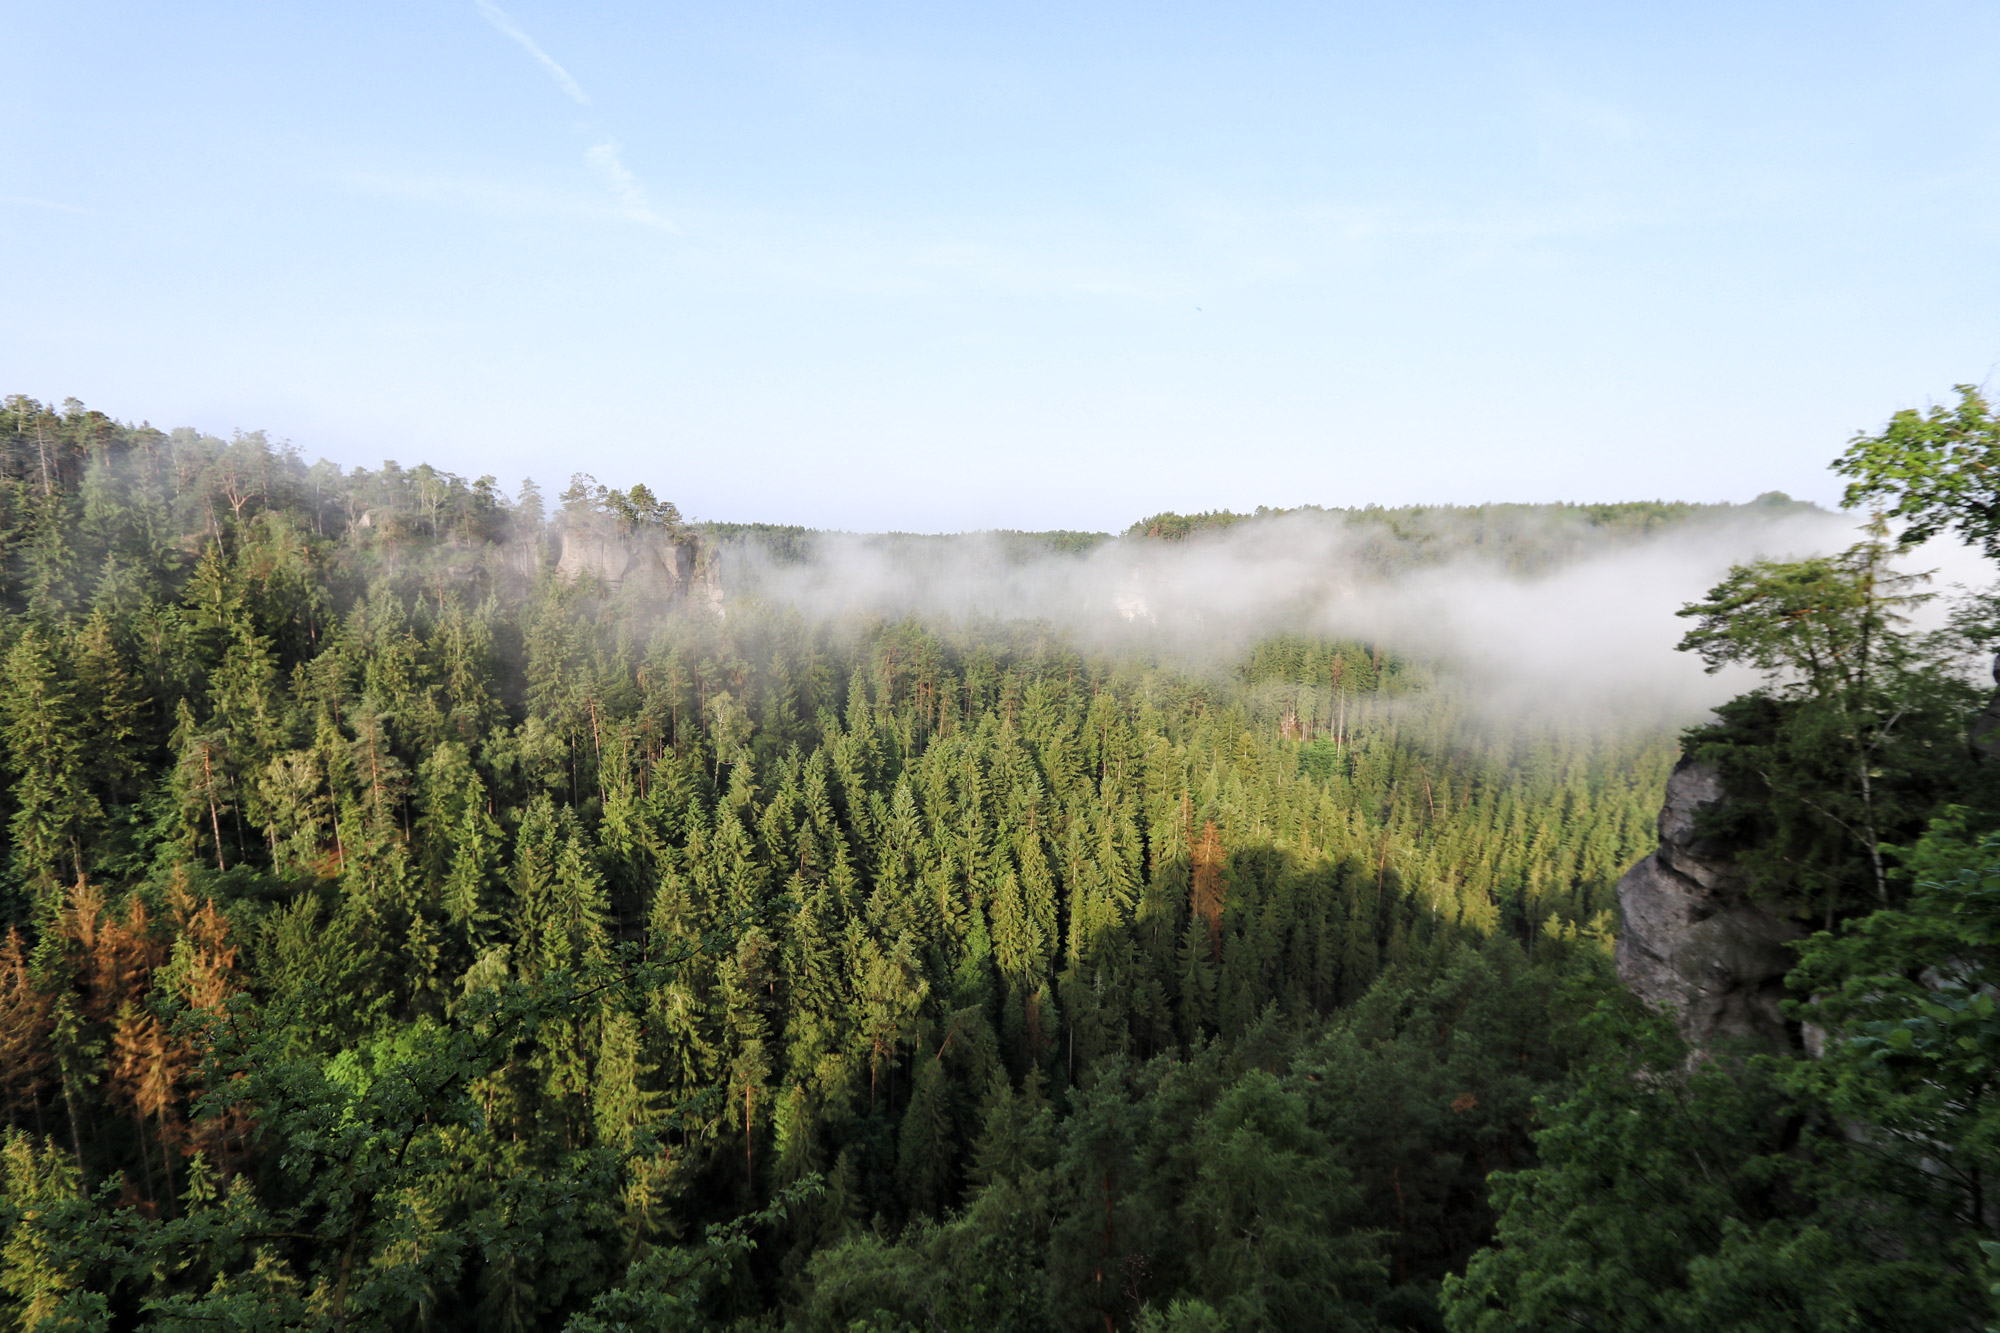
x: 498, y: 18
x: 604, y: 159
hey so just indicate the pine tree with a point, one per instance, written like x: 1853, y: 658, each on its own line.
x: 925, y: 1141
x: 43, y: 724
x: 25, y: 1024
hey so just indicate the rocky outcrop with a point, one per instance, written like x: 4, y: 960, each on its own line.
x: 653, y: 565
x: 1690, y: 940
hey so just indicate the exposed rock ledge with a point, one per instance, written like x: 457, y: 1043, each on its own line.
x: 1689, y: 939
x: 652, y: 565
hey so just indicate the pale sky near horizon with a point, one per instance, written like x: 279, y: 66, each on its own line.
x: 948, y: 266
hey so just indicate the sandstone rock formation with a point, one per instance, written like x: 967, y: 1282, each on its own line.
x: 654, y: 565
x: 1690, y: 940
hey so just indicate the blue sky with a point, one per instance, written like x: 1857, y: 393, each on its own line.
x: 1027, y: 265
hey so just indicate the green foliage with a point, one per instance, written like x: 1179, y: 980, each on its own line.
x: 1936, y: 470
x: 1524, y: 539
x: 1847, y: 1184
x: 1301, y: 1177
x: 1689, y: 1195
x: 1179, y: 527
x: 410, y: 935
x: 1854, y: 740
x: 1910, y: 1034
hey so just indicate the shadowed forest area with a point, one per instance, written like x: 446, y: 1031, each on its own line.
x: 407, y: 930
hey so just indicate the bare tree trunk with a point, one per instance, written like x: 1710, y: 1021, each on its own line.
x: 75, y: 1133
x: 214, y: 815
x: 167, y: 1157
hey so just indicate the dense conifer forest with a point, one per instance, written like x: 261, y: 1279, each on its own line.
x: 409, y: 927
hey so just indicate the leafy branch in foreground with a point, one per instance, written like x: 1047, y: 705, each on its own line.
x: 1852, y: 734
x: 1939, y: 469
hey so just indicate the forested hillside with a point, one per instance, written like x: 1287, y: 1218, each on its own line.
x: 407, y: 930
x: 1838, y: 1172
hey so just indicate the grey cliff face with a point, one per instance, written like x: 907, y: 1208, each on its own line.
x: 655, y: 566
x: 1689, y: 939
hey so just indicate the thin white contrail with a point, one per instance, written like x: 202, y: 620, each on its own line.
x: 498, y: 18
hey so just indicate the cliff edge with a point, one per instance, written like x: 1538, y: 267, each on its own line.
x: 1690, y: 940
x: 655, y: 565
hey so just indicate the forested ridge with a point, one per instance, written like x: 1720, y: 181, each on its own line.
x: 404, y: 934
x: 1522, y: 539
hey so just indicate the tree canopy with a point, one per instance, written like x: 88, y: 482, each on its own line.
x: 401, y: 932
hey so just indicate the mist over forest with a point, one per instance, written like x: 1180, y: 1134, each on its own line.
x: 1517, y: 600
x: 434, y: 904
